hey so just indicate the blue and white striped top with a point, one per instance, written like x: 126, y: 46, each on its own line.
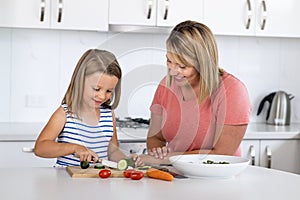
x: 96, y: 138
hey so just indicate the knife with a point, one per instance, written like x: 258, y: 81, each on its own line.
x: 108, y: 163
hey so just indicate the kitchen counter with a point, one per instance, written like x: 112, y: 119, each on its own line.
x: 30, y: 131
x: 55, y: 183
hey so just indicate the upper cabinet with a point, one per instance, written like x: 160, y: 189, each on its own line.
x: 163, y: 13
x: 274, y: 18
x: 58, y: 14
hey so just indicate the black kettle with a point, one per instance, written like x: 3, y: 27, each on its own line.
x: 279, y: 111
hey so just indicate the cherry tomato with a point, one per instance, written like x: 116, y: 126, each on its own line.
x: 104, y: 173
x: 137, y: 175
x: 127, y: 173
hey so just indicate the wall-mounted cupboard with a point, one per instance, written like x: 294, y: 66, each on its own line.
x: 56, y: 14
x: 274, y: 18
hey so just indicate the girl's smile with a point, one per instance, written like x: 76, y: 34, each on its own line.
x: 98, y: 88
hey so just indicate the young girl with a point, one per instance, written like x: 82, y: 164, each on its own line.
x: 83, y: 128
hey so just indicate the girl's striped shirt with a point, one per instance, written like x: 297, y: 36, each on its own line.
x: 96, y: 138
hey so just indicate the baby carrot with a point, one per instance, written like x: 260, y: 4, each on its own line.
x: 158, y: 174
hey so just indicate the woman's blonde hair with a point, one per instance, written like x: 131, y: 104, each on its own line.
x: 195, y: 41
x: 92, y: 61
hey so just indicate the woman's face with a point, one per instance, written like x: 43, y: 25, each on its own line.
x: 182, y: 75
x: 98, y: 88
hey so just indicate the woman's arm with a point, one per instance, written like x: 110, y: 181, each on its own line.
x: 226, y: 143
x: 47, y: 147
x: 155, y: 140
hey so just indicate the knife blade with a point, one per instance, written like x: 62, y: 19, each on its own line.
x: 108, y: 163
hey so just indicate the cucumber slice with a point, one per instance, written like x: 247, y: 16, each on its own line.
x: 125, y: 163
x: 99, y: 166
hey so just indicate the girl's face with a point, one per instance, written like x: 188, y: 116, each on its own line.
x: 98, y: 88
x: 182, y: 75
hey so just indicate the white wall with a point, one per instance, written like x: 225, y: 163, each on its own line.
x: 36, y: 66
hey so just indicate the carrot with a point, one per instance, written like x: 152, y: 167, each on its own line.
x: 158, y: 174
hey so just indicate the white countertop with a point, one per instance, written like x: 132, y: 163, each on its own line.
x: 30, y: 131
x: 51, y: 183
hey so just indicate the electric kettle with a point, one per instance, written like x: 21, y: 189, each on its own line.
x: 279, y: 111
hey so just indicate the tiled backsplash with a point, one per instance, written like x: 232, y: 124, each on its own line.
x: 36, y: 66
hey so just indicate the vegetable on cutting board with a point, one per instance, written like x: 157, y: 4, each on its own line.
x: 104, y: 173
x: 159, y: 174
x: 84, y: 164
x: 125, y: 163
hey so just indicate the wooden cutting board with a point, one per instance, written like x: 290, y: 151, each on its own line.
x: 77, y: 172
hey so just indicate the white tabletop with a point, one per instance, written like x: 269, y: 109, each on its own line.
x: 254, y: 183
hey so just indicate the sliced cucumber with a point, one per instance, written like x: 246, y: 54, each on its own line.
x: 99, y: 166
x: 125, y: 163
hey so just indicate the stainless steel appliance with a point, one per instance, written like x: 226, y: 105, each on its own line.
x: 279, y: 111
x: 132, y: 133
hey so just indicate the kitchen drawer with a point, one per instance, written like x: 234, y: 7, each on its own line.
x: 20, y: 154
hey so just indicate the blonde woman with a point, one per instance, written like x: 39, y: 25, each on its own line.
x: 83, y: 128
x: 197, y: 107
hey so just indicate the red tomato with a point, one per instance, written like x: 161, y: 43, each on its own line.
x: 127, y: 173
x: 137, y: 175
x: 104, y: 173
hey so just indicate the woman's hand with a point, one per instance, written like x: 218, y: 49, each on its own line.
x: 137, y: 160
x: 85, y: 154
x: 159, y: 152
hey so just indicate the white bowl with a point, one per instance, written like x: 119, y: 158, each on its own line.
x: 193, y: 165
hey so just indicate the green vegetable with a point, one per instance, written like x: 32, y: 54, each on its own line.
x: 99, y: 166
x: 144, y: 167
x: 213, y: 162
x: 84, y: 164
x: 125, y: 163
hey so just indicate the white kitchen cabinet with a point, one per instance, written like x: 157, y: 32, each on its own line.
x: 276, y: 154
x: 57, y: 14
x: 20, y: 154
x: 274, y: 18
x: 164, y: 13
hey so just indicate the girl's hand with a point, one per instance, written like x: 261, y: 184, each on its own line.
x: 138, y: 161
x: 159, y: 152
x: 85, y: 154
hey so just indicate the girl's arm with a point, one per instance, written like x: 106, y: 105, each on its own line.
x: 114, y: 152
x: 47, y: 147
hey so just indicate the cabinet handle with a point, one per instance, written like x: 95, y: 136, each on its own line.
x: 252, y: 154
x: 43, y: 5
x: 166, y: 9
x: 150, y: 4
x: 264, y: 6
x: 249, y: 14
x: 60, y: 10
x: 269, y: 156
x: 144, y: 151
x: 132, y: 151
x: 28, y: 149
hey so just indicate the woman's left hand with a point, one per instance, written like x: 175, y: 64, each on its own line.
x: 159, y: 152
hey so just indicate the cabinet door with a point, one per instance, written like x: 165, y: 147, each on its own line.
x: 80, y: 14
x: 133, y: 12
x: 25, y: 14
x: 281, y: 154
x: 20, y: 154
x: 281, y: 18
x: 250, y: 150
x: 170, y: 13
x: 230, y: 17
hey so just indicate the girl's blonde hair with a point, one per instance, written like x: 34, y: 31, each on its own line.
x: 93, y: 60
x: 196, y: 41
